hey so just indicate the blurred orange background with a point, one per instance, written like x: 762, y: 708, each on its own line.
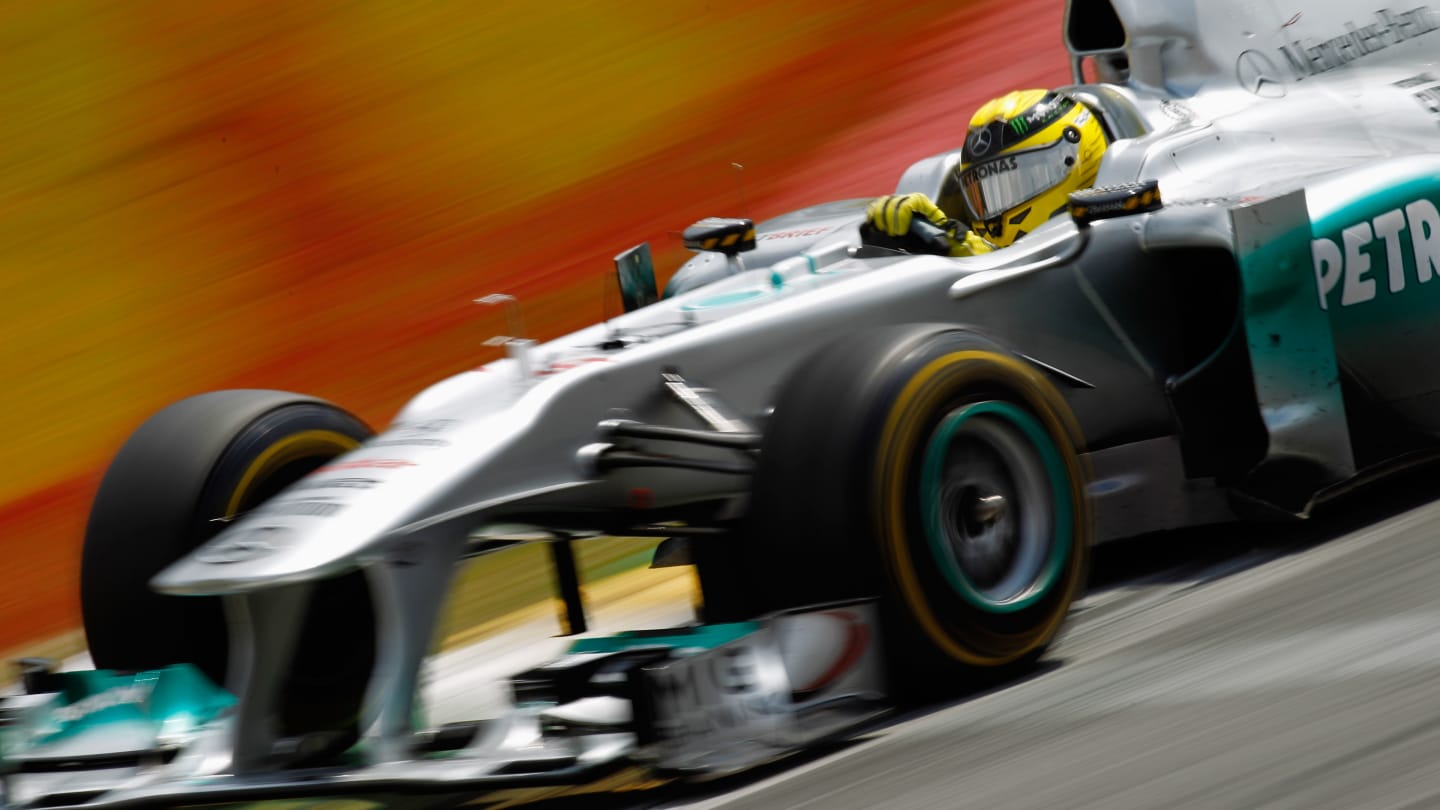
x: 308, y: 196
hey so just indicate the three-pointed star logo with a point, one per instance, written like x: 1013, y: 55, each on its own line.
x: 1256, y: 72
x: 980, y: 143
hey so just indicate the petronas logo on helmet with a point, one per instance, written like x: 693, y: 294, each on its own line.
x: 993, y: 167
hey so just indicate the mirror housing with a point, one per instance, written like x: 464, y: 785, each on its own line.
x: 721, y: 235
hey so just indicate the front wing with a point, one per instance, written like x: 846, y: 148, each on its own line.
x: 698, y: 701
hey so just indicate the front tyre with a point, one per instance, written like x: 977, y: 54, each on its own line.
x: 186, y: 472
x: 932, y: 468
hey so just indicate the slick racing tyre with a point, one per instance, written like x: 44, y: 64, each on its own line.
x: 929, y: 467
x: 176, y: 482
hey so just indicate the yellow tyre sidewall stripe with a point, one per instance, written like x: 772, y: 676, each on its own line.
x: 305, y: 444
x: 915, y: 408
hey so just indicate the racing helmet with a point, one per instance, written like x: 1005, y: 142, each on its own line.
x: 1023, y: 155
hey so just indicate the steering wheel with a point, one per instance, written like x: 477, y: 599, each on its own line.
x: 935, y: 239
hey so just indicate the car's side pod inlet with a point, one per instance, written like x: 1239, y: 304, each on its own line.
x: 1208, y: 380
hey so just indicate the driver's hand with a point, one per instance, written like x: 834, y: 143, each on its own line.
x: 891, y: 214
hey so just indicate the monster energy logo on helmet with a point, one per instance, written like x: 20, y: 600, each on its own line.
x: 999, y: 135
x: 1042, y: 113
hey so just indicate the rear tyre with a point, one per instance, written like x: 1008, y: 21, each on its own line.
x: 931, y: 468
x: 174, y: 484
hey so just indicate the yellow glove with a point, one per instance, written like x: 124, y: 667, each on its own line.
x: 969, y: 245
x: 891, y: 214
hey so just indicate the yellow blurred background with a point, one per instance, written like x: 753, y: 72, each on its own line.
x: 308, y: 196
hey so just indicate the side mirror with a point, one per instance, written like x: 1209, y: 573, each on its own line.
x: 635, y: 271
x: 1091, y: 204
x: 721, y: 235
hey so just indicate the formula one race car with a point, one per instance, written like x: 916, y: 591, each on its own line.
x: 888, y: 469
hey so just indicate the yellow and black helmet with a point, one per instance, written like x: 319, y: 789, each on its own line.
x: 1023, y: 155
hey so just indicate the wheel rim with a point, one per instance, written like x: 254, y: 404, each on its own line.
x: 994, y: 500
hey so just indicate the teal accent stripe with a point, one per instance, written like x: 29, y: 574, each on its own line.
x: 706, y: 636
x: 724, y: 300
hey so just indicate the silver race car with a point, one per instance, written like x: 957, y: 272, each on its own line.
x: 888, y: 469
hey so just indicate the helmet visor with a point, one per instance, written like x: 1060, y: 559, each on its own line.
x: 992, y: 187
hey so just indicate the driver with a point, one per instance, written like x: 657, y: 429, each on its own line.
x: 1023, y: 155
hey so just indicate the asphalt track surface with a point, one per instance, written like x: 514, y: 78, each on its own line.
x: 1259, y: 667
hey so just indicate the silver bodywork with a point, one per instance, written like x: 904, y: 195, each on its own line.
x: 1259, y: 123
x: 1229, y: 115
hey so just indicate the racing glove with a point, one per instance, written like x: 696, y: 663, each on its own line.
x: 887, y: 224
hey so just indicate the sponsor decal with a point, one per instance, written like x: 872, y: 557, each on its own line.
x: 560, y: 366
x: 1387, y: 28
x: 796, y: 233
x: 1257, y: 72
x: 1260, y: 72
x: 723, y: 693
x: 1377, y: 248
x: 1424, y: 88
x: 1041, y: 114
x: 131, y: 695
x: 981, y: 142
x: 315, y: 508
x: 337, y: 483
x: 991, y: 168
x: 241, y: 546
x: 1429, y: 98
x: 423, y: 433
